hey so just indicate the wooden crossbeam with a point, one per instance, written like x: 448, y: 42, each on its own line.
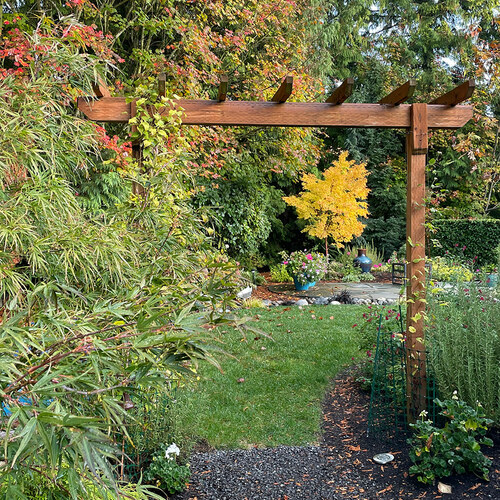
x: 401, y: 94
x: 457, y: 95
x: 288, y: 114
x: 342, y: 92
x: 223, y: 83
x: 162, y: 80
x: 285, y: 90
x: 100, y: 89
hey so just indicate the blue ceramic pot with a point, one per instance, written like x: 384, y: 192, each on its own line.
x: 362, y: 261
x: 492, y: 280
x: 299, y: 286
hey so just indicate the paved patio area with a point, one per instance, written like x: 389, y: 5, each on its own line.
x: 370, y: 291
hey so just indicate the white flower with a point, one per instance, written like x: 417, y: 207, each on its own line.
x: 423, y: 413
x: 173, y: 449
x: 454, y: 395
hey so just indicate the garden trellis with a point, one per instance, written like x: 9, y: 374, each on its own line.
x: 417, y: 119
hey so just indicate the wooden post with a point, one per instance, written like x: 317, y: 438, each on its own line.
x: 137, y: 188
x: 416, y: 148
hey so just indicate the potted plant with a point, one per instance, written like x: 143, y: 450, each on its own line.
x: 491, y: 276
x: 305, y: 267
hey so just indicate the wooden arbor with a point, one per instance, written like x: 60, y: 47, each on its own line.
x: 389, y: 112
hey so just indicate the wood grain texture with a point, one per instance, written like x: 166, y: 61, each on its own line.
x: 288, y: 114
x: 401, y: 94
x: 100, y: 89
x: 222, y: 92
x: 457, y: 95
x: 285, y: 90
x: 419, y: 130
x: 415, y: 268
x: 342, y: 92
x: 162, y: 80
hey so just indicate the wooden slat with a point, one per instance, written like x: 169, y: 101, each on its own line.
x: 457, y: 95
x: 285, y: 90
x: 342, y: 92
x: 162, y: 80
x: 137, y: 153
x: 223, y: 83
x: 288, y: 114
x: 415, y: 257
x: 401, y: 94
x: 100, y: 89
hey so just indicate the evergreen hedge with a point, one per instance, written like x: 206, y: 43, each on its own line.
x: 467, y: 238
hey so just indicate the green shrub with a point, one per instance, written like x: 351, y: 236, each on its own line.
x: 464, y: 345
x: 279, y: 274
x: 253, y: 303
x: 390, y: 324
x: 355, y: 277
x: 334, y: 270
x: 456, y: 448
x: 444, y: 270
x: 472, y: 238
x: 165, y: 473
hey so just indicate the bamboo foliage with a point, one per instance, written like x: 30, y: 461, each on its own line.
x: 96, y: 304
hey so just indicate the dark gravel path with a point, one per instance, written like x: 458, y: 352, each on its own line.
x: 341, y: 468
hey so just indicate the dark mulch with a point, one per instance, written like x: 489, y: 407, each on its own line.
x: 350, y: 452
x: 340, y: 468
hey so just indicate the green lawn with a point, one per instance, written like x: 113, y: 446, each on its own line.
x: 285, y: 379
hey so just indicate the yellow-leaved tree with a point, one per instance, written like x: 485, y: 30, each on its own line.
x: 332, y: 206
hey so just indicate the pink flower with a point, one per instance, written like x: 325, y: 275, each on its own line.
x: 285, y: 263
x: 309, y: 256
x: 348, y: 253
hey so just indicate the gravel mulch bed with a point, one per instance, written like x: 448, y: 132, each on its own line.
x: 340, y: 468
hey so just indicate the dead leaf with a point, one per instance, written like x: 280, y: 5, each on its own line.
x: 389, y: 488
x: 444, y: 488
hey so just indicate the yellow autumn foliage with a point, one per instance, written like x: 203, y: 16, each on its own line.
x: 333, y: 205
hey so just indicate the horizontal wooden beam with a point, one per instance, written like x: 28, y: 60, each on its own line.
x: 457, y: 95
x: 223, y: 83
x: 285, y: 90
x: 288, y: 114
x: 401, y: 94
x: 342, y: 92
